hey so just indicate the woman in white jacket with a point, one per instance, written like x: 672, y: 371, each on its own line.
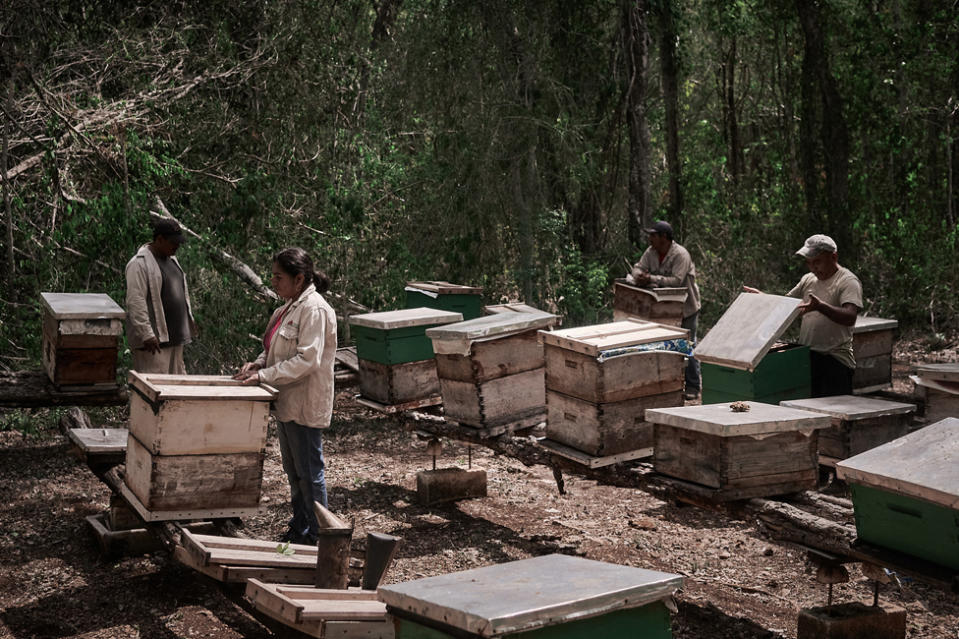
x: 299, y: 346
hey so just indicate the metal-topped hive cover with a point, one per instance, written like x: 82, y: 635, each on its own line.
x: 851, y: 407
x: 405, y: 318
x: 923, y: 464
x: 529, y: 593
x: 722, y: 420
x: 82, y: 306
x: 866, y: 324
x: 747, y: 330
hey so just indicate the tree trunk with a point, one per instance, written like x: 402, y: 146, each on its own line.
x: 636, y: 49
x: 667, y: 56
x: 385, y: 17
x: 7, y: 206
x: 830, y: 215
x: 730, y: 121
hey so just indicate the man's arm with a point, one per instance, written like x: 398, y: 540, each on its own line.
x: 844, y: 315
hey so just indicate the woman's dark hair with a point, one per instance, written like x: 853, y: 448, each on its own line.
x: 295, y: 261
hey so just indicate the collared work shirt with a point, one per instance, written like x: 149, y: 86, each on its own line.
x: 676, y: 270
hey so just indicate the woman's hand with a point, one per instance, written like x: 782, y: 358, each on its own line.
x: 250, y: 368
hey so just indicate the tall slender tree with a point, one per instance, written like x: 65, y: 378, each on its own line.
x: 636, y: 50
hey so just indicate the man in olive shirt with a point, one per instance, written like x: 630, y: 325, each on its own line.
x: 667, y: 264
x: 832, y: 298
x: 159, y: 318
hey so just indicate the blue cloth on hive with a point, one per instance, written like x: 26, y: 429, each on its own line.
x: 675, y: 345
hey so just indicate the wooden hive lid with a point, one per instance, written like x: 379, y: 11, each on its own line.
x: 851, y: 407
x: 721, y: 420
x: 156, y: 387
x: 457, y: 339
x: 593, y: 340
x: 747, y: 330
x: 512, y: 307
x: 660, y: 294
x: 945, y: 372
x: 527, y: 594
x: 923, y: 464
x: 444, y: 288
x: 63, y: 306
x: 868, y: 324
x: 405, y: 318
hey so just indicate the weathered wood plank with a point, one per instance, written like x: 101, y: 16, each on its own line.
x: 747, y: 330
x: 615, y: 379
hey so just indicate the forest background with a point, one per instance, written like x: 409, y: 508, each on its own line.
x: 520, y: 145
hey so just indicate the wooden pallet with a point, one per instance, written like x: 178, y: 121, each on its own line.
x: 235, y: 560
x: 322, y: 613
x: 131, y: 541
x: 590, y: 461
x: 434, y: 400
x: 184, y: 514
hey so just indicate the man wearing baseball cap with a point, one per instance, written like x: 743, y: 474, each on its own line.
x: 832, y: 299
x: 159, y: 317
x: 667, y: 264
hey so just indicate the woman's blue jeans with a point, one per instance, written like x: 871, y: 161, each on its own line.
x: 301, y: 449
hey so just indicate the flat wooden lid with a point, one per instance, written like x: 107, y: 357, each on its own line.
x: 488, y: 326
x: 158, y: 387
x: 81, y: 306
x: 923, y: 464
x: 445, y: 288
x: 851, y: 407
x: 867, y: 324
x: 948, y: 372
x: 513, y: 597
x: 720, y: 419
x: 592, y: 340
x: 747, y: 330
x: 513, y: 307
x: 405, y: 318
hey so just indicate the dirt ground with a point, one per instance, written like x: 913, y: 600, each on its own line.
x: 738, y: 583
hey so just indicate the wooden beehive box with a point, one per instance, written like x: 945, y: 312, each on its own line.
x: 767, y: 450
x: 456, y: 298
x: 397, y: 337
x: 661, y: 305
x: 858, y: 423
x: 198, y: 414
x: 80, y: 336
x: 552, y: 596
x: 491, y: 369
x: 937, y: 385
x: 195, y: 447
x: 740, y: 356
x: 872, y: 340
x: 906, y: 493
x: 600, y: 379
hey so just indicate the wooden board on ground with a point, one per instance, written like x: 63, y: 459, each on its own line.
x: 434, y: 400
x: 593, y: 340
x: 747, y: 330
x: 591, y: 461
x: 322, y: 613
x: 241, y: 574
x: 100, y: 446
x: 130, y: 541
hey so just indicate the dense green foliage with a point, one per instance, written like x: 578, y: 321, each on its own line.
x: 464, y: 141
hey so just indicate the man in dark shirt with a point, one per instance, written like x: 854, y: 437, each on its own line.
x: 159, y: 318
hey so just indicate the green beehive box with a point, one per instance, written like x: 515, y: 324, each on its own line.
x: 741, y: 359
x: 906, y: 493
x: 548, y: 597
x: 456, y: 298
x: 398, y: 337
x: 781, y: 375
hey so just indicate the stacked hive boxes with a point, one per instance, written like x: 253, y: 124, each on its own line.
x: 395, y: 356
x: 872, y: 340
x: 491, y: 369
x: 600, y: 380
x: 196, y: 445
x: 80, y: 336
x: 937, y: 386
